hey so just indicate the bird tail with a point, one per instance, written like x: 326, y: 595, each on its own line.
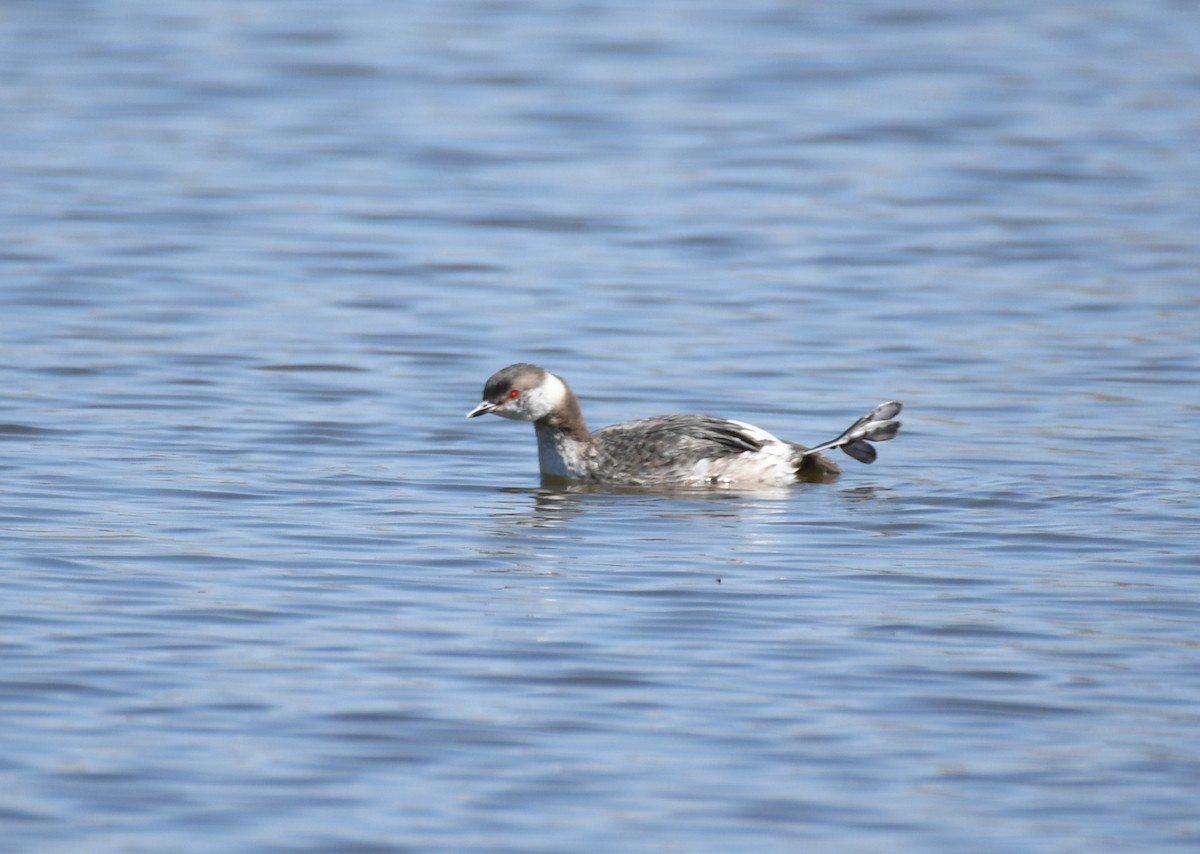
x: 878, y: 425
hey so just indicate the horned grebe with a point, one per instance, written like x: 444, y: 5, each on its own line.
x: 665, y: 449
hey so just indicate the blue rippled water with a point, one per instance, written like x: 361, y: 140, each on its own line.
x: 264, y: 589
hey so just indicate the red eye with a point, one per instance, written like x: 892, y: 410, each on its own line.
x: 514, y: 394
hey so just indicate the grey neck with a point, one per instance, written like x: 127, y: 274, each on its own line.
x: 563, y: 441
x: 567, y: 419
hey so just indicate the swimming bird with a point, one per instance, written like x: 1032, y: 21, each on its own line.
x: 665, y: 450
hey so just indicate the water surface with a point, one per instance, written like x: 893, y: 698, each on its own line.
x: 265, y: 589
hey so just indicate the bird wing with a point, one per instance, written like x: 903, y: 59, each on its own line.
x: 675, y: 437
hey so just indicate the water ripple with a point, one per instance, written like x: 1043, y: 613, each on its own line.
x: 260, y: 574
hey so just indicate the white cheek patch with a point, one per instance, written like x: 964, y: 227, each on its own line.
x: 536, y: 402
x: 544, y: 399
x: 511, y: 410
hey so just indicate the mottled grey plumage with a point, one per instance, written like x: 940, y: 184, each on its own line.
x: 665, y: 449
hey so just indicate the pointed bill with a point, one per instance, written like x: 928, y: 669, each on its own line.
x: 482, y: 409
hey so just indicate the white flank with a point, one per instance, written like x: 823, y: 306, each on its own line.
x: 771, y: 464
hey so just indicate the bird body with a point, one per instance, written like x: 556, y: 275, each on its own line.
x: 660, y: 450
